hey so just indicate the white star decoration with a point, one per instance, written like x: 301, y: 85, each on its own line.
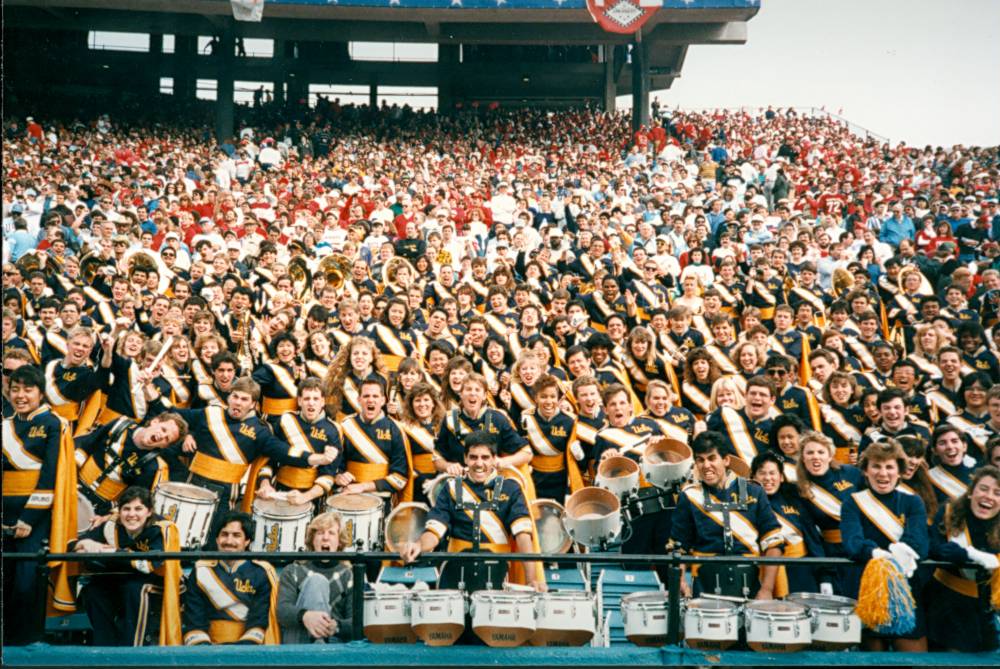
x: 456, y: 3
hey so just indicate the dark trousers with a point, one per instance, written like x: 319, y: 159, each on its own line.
x: 123, y: 610
x: 23, y: 605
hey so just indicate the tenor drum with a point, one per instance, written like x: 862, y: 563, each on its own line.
x: 666, y: 461
x: 835, y: 625
x: 362, y: 517
x: 593, y: 517
x: 503, y: 619
x: 644, y: 615
x: 552, y: 534
x: 438, y: 616
x: 566, y: 618
x: 387, y: 617
x: 710, y: 624
x: 618, y: 474
x: 280, y: 526
x: 187, y: 506
x: 405, y: 525
x: 777, y: 626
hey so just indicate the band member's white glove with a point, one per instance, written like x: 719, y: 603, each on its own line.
x: 983, y: 559
x: 426, y: 487
x: 577, y: 451
x: 880, y: 554
x: 905, y: 557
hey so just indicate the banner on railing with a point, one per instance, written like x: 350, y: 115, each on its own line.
x: 248, y: 10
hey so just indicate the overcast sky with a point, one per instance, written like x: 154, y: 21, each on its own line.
x: 913, y: 70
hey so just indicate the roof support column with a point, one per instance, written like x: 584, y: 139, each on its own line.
x: 224, y: 107
x: 640, y: 83
x: 610, y: 89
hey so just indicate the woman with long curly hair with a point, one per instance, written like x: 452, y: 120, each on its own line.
x: 700, y: 372
x: 421, y: 418
x: 966, y: 530
x: 392, y: 334
x: 354, y: 363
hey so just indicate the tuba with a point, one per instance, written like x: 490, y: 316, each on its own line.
x: 90, y: 266
x: 843, y: 281
x: 298, y: 269
x: 32, y: 262
x: 336, y: 268
x: 391, y: 270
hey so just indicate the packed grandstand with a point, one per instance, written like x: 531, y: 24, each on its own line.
x: 759, y: 332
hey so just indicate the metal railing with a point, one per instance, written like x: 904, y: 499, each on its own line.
x: 360, y: 561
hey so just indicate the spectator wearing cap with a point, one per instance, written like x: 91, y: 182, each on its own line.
x: 897, y: 227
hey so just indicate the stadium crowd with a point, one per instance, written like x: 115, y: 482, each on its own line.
x: 357, y: 301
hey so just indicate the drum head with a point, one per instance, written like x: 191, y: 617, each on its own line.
x: 617, y: 467
x: 276, y: 508
x: 667, y: 451
x: 823, y: 602
x: 775, y: 606
x: 84, y: 513
x: 592, y: 503
x: 405, y: 525
x: 186, y: 491
x: 707, y: 604
x: 353, y: 502
x: 739, y: 467
x: 552, y: 535
x: 657, y: 598
x: 436, y: 486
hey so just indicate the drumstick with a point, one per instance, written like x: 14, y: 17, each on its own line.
x: 159, y: 356
x: 727, y: 598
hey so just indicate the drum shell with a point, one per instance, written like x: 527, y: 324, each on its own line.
x: 363, y: 523
x: 189, y: 507
x: 835, y: 625
x: 625, y: 483
x: 564, y: 619
x: 438, y: 616
x: 777, y: 627
x: 675, y: 465
x: 552, y: 535
x: 503, y: 619
x: 593, y: 516
x: 387, y: 617
x: 644, y: 615
x: 406, y: 522
x: 280, y: 527
x: 710, y: 624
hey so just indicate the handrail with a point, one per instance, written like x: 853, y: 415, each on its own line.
x: 359, y: 562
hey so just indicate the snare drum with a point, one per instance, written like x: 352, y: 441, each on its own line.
x: 503, y: 619
x: 618, y: 474
x: 280, y: 526
x: 189, y: 507
x: 666, y: 461
x: 593, y: 517
x: 564, y: 619
x: 777, y: 626
x: 405, y: 525
x: 644, y: 615
x: 387, y: 617
x: 835, y: 625
x: 362, y: 517
x: 710, y: 624
x: 438, y: 616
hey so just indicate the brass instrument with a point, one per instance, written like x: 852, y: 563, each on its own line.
x: 139, y: 261
x: 336, y: 268
x: 843, y: 281
x: 32, y: 262
x: 244, y: 353
x: 298, y: 269
x: 391, y: 270
x: 925, y: 288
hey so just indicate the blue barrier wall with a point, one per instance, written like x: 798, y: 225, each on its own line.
x: 507, y: 4
x: 360, y: 654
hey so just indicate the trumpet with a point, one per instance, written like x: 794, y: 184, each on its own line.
x: 244, y: 353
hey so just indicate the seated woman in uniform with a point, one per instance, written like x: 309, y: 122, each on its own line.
x: 966, y: 530
x: 133, y: 603
x: 881, y: 521
x: 314, y: 596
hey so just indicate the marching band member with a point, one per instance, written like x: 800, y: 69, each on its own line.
x: 392, y: 334
x: 700, y: 372
x: 590, y: 419
x: 880, y: 521
x: 843, y: 417
x: 226, y: 441
x: 12, y: 359
x: 355, y: 362
x: 786, y: 432
x: 71, y: 384
x: 231, y: 601
x: 278, y: 378
x: 306, y: 431
x: 421, y: 418
x: 894, y: 421
x: 123, y: 454
x: 140, y: 607
x: 699, y: 530
x: 556, y: 451
x: 800, y: 534
x: 791, y: 398
x: 975, y: 414
x: 376, y: 452
x: 223, y: 366
x: 953, y: 470
x: 966, y: 530
x: 824, y: 484
x: 748, y: 428
x: 39, y: 504
x: 505, y: 524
